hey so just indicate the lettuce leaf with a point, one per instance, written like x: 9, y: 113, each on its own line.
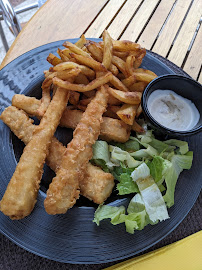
x: 179, y: 162
x: 116, y: 214
x: 101, y: 154
x: 183, y: 146
x: 126, y: 185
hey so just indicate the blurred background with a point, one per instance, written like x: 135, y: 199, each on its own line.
x: 25, y: 9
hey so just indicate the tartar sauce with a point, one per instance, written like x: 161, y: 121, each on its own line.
x: 172, y: 110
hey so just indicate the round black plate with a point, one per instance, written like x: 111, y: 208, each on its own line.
x: 73, y: 237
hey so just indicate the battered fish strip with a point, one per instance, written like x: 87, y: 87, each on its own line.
x: 64, y: 189
x: 96, y: 185
x: 111, y: 129
x: 21, y: 193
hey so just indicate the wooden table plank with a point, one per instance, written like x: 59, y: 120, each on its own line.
x: 155, y: 24
x: 184, y: 38
x: 43, y: 29
x: 102, y: 21
x: 123, y: 17
x: 140, y: 19
x: 194, y: 60
x: 169, y: 32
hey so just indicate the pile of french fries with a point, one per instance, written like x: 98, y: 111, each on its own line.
x: 93, y: 79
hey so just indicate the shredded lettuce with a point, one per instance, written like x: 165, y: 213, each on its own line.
x: 149, y: 169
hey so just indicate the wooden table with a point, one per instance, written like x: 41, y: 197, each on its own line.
x: 170, y: 28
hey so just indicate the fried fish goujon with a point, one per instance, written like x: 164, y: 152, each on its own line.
x: 111, y: 129
x: 96, y: 185
x: 64, y: 189
x: 21, y: 193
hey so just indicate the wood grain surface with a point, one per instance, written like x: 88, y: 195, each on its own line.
x: 170, y: 28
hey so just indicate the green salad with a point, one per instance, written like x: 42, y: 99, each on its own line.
x: 147, y: 168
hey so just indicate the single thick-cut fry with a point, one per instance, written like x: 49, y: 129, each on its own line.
x: 138, y: 86
x: 21, y: 125
x: 63, y: 57
x: 130, y: 65
x: 144, y: 75
x: 64, y: 189
x: 139, y: 111
x: 120, y: 64
x: 81, y: 42
x: 118, y: 84
x: 53, y: 60
x: 74, y: 48
x: 111, y: 129
x: 127, y: 113
x: 126, y: 97
x: 81, y: 87
x: 125, y: 45
x: 21, y: 193
x: 107, y: 52
x: 137, y: 128
x: 89, y: 62
x: 129, y: 81
x: 69, y: 65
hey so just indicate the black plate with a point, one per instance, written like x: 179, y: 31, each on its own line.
x: 73, y: 237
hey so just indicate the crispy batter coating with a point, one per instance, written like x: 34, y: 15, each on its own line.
x: 21, y: 193
x: 96, y: 184
x: 64, y: 189
x: 111, y: 129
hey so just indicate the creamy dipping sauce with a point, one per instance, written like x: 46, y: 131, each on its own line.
x: 172, y: 110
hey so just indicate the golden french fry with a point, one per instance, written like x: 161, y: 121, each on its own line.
x: 113, y: 101
x: 80, y: 43
x: 138, y: 86
x: 89, y: 62
x: 130, y: 65
x: 139, y: 58
x: 129, y: 81
x: 139, y: 111
x: 81, y: 79
x: 125, y: 45
x: 142, y: 70
x: 63, y: 57
x: 144, y: 77
x: 95, y: 50
x: 127, y: 113
x: 107, y: 51
x: 66, y: 52
x: 53, y: 60
x: 74, y: 48
x: 118, y: 84
x: 120, y: 64
x: 69, y: 65
x: 126, y: 97
x: 81, y: 87
x: 137, y: 128
x: 121, y: 55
